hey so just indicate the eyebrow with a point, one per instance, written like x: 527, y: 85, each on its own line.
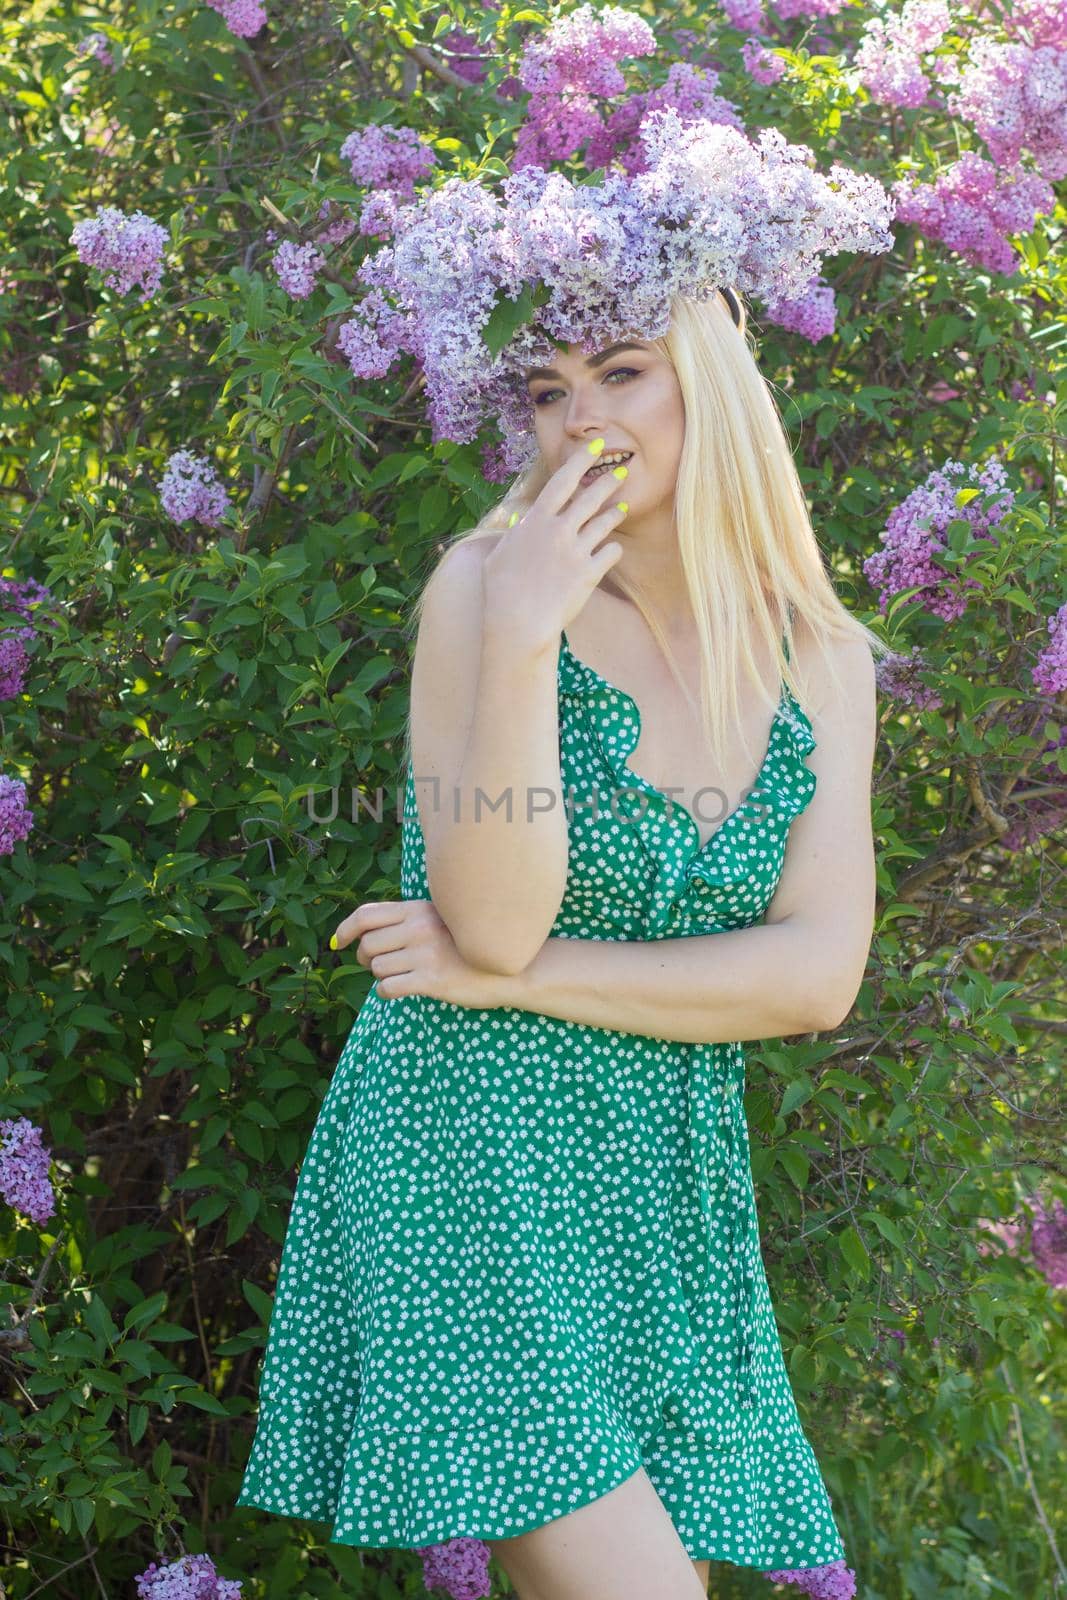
x: 591, y: 361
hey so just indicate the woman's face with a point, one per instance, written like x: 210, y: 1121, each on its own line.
x: 628, y: 395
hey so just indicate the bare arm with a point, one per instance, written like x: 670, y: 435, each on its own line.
x: 485, y: 722
x: 798, y: 971
x: 484, y: 735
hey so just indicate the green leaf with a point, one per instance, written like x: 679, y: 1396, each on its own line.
x: 855, y: 1252
x: 505, y: 317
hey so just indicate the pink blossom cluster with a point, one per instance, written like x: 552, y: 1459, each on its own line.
x: 297, y: 266
x: 97, y: 45
x: 244, y: 18
x: 898, y: 675
x: 689, y: 91
x: 1050, y: 671
x: 972, y: 207
x: 190, y: 488
x: 188, y: 1578
x: 126, y: 249
x: 603, y: 260
x: 566, y: 71
x: 761, y: 64
x: 24, y: 1182
x: 19, y: 599
x: 888, y: 59
x: 1015, y: 98
x: 914, y: 542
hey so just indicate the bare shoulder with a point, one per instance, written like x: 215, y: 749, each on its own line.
x: 842, y: 696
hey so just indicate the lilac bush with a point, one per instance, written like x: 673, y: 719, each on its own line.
x: 890, y: 177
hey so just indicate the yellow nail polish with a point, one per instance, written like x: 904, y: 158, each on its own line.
x: 623, y: 506
x: 620, y: 472
x: 333, y: 941
x: 513, y: 519
x: 595, y: 446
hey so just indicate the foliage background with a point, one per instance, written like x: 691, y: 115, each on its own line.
x: 172, y: 1012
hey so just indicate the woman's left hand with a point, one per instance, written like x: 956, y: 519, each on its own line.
x: 408, y: 948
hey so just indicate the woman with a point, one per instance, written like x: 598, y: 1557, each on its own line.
x: 522, y: 1298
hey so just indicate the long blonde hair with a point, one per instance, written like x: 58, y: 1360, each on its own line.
x: 747, y: 547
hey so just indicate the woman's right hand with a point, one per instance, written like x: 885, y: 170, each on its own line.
x: 542, y: 571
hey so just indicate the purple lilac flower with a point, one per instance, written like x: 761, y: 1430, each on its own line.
x: 913, y: 541
x: 14, y: 661
x: 24, y: 1181
x: 244, y: 18
x: 833, y: 1581
x: 1042, y: 21
x: 126, y: 249
x: 190, y: 488
x: 22, y: 596
x: 761, y: 64
x: 188, y: 1578
x: 606, y: 259
x: 97, y: 44
x: 1050, y: 672
x: 898, y: 675
x: 692, y: 93
x: 377, y: 219
x: 16, y: 820
x: 337, y: 231
x: 297, y: 266
x: 494, y: 463
x: 785, y: 10
x: 464, y: 53
x: 1015, y: 98
x: 888, y: 59
x: 747, y: 16
x: 812, y: 314
x: 973, y: 208
x: 458, y: 1566
x: 1048, y: 1241
x: 566, y: 71
x: 380, y: 156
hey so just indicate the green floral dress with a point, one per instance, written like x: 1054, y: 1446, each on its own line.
x: 523, y: 1255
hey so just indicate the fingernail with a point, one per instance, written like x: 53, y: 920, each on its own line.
x: 333, y: 941
x: 513, y: 519
x: 620, y: 472
x: 623, y: 506
x: 595, y: 446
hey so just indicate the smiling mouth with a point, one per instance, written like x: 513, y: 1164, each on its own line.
x: 610, y: 459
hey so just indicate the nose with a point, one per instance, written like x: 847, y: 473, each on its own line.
x: 585, y: 416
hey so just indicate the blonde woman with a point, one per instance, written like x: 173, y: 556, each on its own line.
x: 523, y: 1299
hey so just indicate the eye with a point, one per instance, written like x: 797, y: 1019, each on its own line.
x: 625, y: 373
